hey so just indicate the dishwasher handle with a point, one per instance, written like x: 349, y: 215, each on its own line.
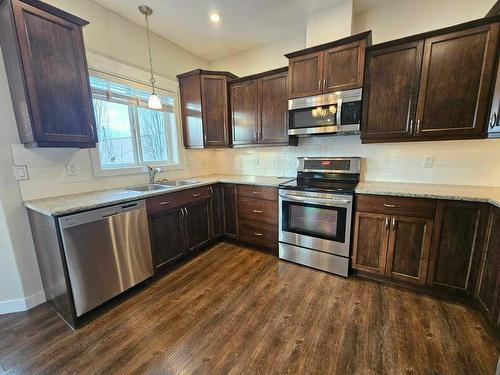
x: 99, y: 214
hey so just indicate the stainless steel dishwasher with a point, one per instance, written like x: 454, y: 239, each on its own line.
x: 107, y: 252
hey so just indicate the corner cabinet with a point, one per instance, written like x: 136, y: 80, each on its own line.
x: 434, y: 86
x: 44, y: 56
x: 328, y: 67
x: 259, y: 109
x: 204, y: 108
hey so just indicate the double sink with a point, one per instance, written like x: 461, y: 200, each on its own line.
x: 166, y: 185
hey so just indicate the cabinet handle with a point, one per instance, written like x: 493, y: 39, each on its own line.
x: 386, y: 223
x: 92, y: 132
x: 418, y: 126
x: 258, y: 234
x: 493, y: 120
x: 257, y: 211
x: 319, y: 85
x: 256, y: 192
x: 393, y: 224
x: 196, y: 195
x: 164, y: 203
x: 324, y: 84
x: 411, y: 126
x: 391, y: 205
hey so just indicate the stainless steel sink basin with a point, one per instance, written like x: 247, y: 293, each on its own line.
x: 178, y: 183
x: 144, y: 188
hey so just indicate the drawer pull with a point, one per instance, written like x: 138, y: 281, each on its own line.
x: 257, y: 211
x: 196, y: 195
x: 256, y: 192
x: 393, y: 224
x: 258, y: 234
x: 391, y: 205
x: 386, y: 223
x: 164, y: 203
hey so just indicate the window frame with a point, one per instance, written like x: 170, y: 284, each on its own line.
x: 123, y: 74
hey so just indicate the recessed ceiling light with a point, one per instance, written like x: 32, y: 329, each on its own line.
x: 214, y: 17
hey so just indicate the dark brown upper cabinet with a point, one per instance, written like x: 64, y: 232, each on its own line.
x: 328, y: 67
x: 432, y: 86
x: 44, y: 56
x: 204, y: 108
x: 391, y: 91
x: 259, y: 109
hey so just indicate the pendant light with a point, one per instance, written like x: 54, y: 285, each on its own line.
x: 154, y: 101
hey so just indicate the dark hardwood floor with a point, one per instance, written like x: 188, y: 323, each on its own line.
x: 236, y: 310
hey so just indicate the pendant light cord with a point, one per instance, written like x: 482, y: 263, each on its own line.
x: 152, y: 78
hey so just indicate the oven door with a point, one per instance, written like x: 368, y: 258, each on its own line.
x: 316, y: 221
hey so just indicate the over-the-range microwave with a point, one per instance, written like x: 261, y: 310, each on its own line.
x: 338, y: 112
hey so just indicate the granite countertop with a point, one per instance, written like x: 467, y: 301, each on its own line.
x: 68, y: 204
x: 488, y: 194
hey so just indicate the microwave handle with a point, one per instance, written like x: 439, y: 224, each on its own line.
x: 323, y: 201
x: 339, y: 112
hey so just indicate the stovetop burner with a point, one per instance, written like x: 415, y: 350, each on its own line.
x: 326, y: 175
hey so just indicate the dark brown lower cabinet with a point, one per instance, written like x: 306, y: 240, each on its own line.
x: 457, y: 246
x: 392, y: 245
x: 230, y: 209
x: 197, y: 217
x: 216, y: 207
x: 488, y: 288
x: 167, y: 237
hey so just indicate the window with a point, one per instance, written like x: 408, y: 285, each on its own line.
x: 131, y: 135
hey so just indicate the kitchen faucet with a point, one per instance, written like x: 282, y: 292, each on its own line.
x: 152, y: 174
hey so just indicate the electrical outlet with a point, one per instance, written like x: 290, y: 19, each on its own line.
x: 428, y: 161
x: 257, y: 160
x: 71, y: 168
x: 21, y: 172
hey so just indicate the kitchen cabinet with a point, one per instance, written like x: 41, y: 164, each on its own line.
x: 244, y: 112
x: 259, y: 109
x: 328, y: 67
x: 457, y: 246
x: 488, y: 288
x: 391, y: 90
x: 216, y: 207
x: 230, y: 210
x: 453, y: 69
x: 392, y: 237
x: 258, y: 215
x: 494, y: 117
x: 46, y: 67
x: 180, y: 224
x: 205, y: 109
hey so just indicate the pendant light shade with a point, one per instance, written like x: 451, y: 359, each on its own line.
x: 154, y: 101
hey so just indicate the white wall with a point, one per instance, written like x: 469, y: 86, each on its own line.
x: 401, y: 18
x: 330, y: 24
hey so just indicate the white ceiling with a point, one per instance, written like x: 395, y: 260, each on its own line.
x: 244, y: 23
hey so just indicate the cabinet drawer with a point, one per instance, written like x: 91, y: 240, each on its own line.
x: 259, y: 192
x: 258, y: 210
x: 382, y: 204
x: 177, y: 199
x: 259, y: 234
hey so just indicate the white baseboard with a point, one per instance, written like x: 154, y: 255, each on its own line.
x: 21, y: 304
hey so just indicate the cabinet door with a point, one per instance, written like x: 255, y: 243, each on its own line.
x: 457, y: 245
x: 167, y: 237
x: 343, y: 67
x: 457, y: 73
x: 305, y: 75
x: 216, y: 207
x: 192, y: 118
x: 409, y: 245
x: 197, y: 224
x: 273, y: 109
x: 215, y: 110
x: 55, y: 72
x: 489, y: 278
x: 371, y: 236
x: 390, y: 92
x: 244, y: 112
x: 230, y: 205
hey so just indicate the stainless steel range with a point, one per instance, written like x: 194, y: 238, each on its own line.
x: 315, y: 213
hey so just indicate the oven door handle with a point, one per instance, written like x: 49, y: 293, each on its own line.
x: 323, y: 201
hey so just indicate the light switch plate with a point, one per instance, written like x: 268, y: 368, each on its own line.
x: 21, y: 172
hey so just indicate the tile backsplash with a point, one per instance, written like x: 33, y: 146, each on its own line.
x: 471, y: 162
